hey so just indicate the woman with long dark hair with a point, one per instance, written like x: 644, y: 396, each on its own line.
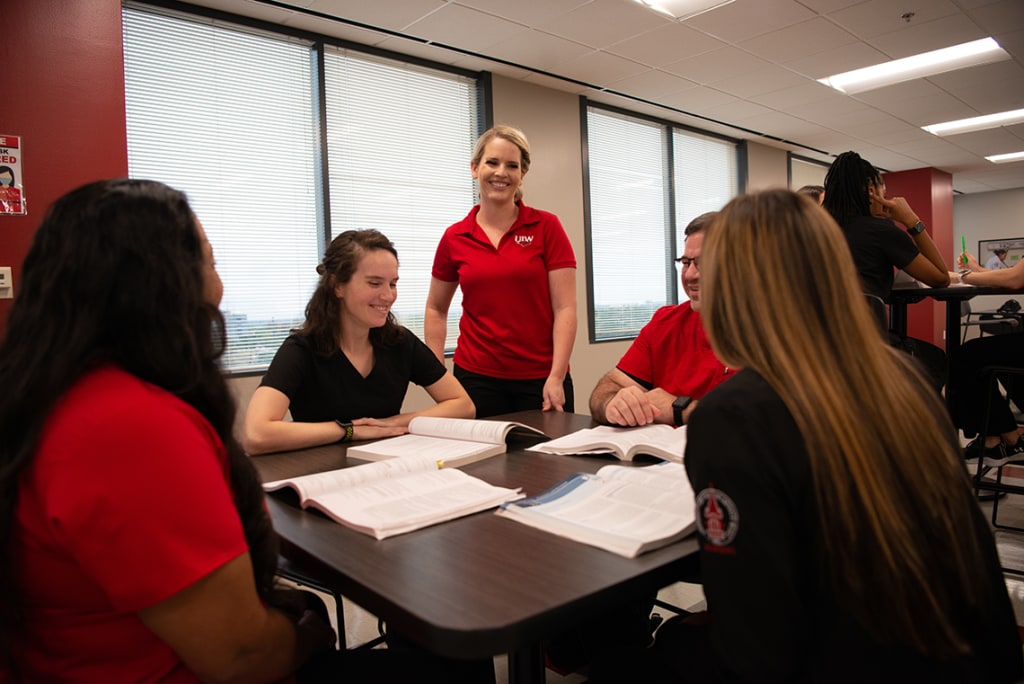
x: 134, y: 544
x: 344, y: 373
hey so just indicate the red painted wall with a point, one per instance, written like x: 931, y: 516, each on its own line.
x: 63, y: 85
x: 930, y: 194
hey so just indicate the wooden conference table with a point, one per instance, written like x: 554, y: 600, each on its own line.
x: 477, y: 586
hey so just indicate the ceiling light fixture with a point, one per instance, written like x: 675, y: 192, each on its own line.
x: 683, y: 9
x: 977, y: 123
x: 984, y: 51
x: 1006, y: 158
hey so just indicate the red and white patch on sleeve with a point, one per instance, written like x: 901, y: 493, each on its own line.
x: 718, y: 519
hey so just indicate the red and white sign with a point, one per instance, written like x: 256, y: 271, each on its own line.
x: 12, y: 193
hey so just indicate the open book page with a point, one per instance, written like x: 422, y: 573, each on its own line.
x: 623, y: 510
x: 663, y: 441
x: 455, y: 441
x: 490, y: 431
x: 384, y: 508
x: 308, y: 486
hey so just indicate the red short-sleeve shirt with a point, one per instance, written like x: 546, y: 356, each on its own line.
x: 506, y: 325
x: 673, y: 352
x: 126, y: 503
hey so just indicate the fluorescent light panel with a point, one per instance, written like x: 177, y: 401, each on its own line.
x: 683, y: 9
x: 1006, y: 158
x: 984, y: 51
x: 977, y: 123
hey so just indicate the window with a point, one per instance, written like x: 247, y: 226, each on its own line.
x: 231, y: 116
x: 646, y: 180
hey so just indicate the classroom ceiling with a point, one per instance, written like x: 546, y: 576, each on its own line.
x: 747, y: 70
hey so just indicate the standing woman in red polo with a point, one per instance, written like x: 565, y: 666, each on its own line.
x: 517, y: 271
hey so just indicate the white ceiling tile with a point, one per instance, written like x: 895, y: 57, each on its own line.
x: 760, y: 80
x: 826, y: 6
x: 600, y: 68
x: 799, y: 40
x: 539, y: 50
x: 393, y: 15
x: 468, y: 28
x: 792, y: 99
x: 603, y: 22
x: 984, y: 143
x: 1001, y: 17
x: 974, y: 87
x: 529, y: 12
x: 916, y: 102
x: 837, y: 60
x: 556, y: 83
x: 717, y: 65
x: 665, y: 44
x: 700, y: 100
x: 877, y: 17
x: 740, y: 112
x: 934, y: 35
x: 745, y: 19
x: 652, y: 83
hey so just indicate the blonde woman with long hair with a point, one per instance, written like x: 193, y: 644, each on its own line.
x: 840, y: 540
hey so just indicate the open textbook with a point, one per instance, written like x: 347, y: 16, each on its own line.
x: 395, y: 496
x: 621, y: 509
x: 456, y: 441
x: 658, y: 440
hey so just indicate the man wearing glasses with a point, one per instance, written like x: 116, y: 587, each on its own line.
x: 670, y: 364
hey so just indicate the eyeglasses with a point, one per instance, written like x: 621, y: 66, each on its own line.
x: 684, y: 263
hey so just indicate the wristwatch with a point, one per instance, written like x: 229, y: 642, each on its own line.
x: 918, y: 228
x: 678, y: 406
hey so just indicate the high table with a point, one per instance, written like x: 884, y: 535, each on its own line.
x: 481, y: 585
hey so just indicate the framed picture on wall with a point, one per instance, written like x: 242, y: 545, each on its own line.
x: 1001, y: 253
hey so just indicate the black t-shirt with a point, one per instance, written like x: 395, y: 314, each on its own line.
x: 328, y: 388
x: 775, y: 618
x: 878, y: 245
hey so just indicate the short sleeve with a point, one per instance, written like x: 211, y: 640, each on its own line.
x: 444, y: 268
x: 291, y: 366
x: 901, y: 247
x: 140, y: 500
x: 557, y: 247
x: 426, y: 369
x: 638, y: 361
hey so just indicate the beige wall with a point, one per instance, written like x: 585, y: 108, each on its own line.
x: 551, y: 121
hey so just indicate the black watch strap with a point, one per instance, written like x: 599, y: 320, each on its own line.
x: 678, y: 406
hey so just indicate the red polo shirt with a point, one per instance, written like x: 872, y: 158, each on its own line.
x: 506, y: 325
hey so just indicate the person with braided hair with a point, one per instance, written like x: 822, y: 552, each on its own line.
x: 855, y: 197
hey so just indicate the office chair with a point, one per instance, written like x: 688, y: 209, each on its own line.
x: 995, y: 322
x: 288, y: 571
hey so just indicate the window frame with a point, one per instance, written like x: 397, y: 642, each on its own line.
x: 673, y: 231
x: 318, y: 46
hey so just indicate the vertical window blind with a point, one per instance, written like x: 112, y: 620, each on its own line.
x: 229, y: 115
x: 647, y: 180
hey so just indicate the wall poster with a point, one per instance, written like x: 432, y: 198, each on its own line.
x: 12, y: 197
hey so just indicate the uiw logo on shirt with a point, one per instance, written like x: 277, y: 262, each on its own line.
x: 524, y: 240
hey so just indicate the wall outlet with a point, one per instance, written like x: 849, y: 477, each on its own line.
x: 6, y: 283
